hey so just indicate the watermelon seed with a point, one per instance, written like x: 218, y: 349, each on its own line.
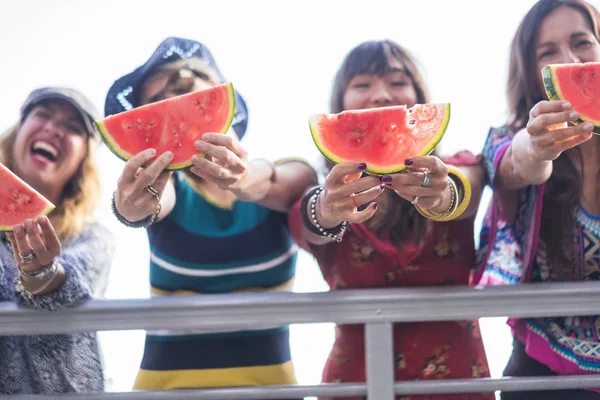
x: 412, y: 122
x: 196, y: 103
x: 593, y: 74
x: 394, y: 128
x: 15, y: 196
x: 139, y: 121
x: 147, y: 140
x: 151, y: 123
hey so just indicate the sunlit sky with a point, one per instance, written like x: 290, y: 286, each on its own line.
x: 282, y: 57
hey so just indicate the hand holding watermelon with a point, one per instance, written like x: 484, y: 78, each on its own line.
x: 546, y: 141
x: 37, y: 239
x: 225, y: 164
x: 425, y: 183
x: 345, y: 192
x: 133, y: 199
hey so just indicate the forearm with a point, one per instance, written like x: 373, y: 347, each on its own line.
x: 519, y: 168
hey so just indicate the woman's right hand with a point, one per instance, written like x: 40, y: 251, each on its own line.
x: 547, y: 140
x: 134, y: 197
x: 346, y: 191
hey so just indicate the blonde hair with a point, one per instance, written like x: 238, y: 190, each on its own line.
x: 80, y: 196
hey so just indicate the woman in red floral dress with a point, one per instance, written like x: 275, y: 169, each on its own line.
x: 404, y: 230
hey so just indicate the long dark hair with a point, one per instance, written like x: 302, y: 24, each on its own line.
x: 373, y: 57
x: 562, y: 193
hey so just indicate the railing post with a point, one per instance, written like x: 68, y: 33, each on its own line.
x: 379, y: 354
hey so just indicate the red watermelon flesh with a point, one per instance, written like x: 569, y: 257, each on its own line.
x: 383, y: 137
x: 173, y: 124
x: 579, y: 84
x: 19, y: 201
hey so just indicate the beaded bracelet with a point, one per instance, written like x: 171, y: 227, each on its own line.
x: 312, y: 224
x: 144, y: 223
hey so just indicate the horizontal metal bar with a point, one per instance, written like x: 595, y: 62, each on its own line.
x: 345, y: 389
x: 244, y: 310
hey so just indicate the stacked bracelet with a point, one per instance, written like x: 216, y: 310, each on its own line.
x: 311, y: 222
x: 146, y: 222
x: 443, y: 216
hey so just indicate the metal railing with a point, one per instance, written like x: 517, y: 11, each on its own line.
x: 378, y: 309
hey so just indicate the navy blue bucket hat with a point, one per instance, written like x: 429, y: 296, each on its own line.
x: 123, y: 94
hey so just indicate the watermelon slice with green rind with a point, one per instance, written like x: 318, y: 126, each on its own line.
x: 383, y: 138
x: 173, y: 124
x: 19, y: 201
x: 579, y: 84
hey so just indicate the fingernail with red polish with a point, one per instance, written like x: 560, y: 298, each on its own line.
x: 375, y: 206
x: 362, y: 166
x: 408, y: 162
x: 386, y: 179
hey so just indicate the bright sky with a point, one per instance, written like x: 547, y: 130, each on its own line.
x: 281, y: 56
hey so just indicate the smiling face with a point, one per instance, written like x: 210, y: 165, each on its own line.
x: 565, y: 36
x: 50, y: 145
x: 392, y: 88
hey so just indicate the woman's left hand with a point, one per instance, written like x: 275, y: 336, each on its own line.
x: 424, y: 183
x: 226, y: 162
x: 35, y: 245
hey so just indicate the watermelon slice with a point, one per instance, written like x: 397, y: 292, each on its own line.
x: 19, y: 201
x: 579, y: 84
x: 173, y: 124
x: 381, y: 137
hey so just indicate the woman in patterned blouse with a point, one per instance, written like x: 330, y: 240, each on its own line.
x: 390, y: 242
x: 544, y: 222
x: 59, y: 261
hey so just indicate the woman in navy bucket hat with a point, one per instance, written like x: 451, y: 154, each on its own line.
x: 218, y: 227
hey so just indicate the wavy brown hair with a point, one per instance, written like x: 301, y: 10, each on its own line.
x: 80, y: 196
x: 562, y: 193
x: 401, y: 219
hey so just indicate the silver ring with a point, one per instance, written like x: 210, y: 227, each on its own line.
x: 415, y: 201
x: 152, y: 191
x: 425, y: 179
x: 28, y: 258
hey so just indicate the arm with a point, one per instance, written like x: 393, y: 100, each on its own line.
x: 85, y: 263
x: 528, y: 159
x: 276, y: 186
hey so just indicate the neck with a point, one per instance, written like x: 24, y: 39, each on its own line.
x: 590, y: 153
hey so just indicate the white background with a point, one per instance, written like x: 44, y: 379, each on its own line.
x: 282, y: 57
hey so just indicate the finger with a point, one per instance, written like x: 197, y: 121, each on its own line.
x: 432, y: 163
x: 541, y: 124
x: 22, y: 245
x: 414, y: 178
x: 52, y: 242
x: 219, y: 139
x: 210, y: 168
x: 223, y: 154
x: 136, y: 162
x: 13, y: 245
x: 545, y: 107
x: 368, y: 196
x: 37, y: 243
x: 550, y: 138
x: 570, y: 143
x: 150, y: 173
x: 161, y: 181
x: 410, y: 192
x: 358, y: 217
x: 356, y: 186
x: 338, y: 173
x: 199, y: 172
